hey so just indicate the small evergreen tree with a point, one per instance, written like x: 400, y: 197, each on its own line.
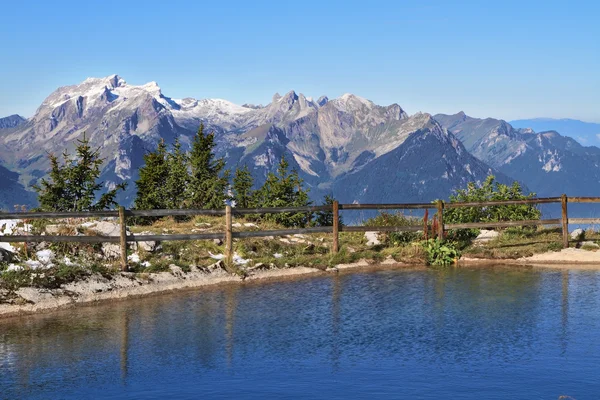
x: 152, y: 184
x: 285, y: 189
x: 73, y: 184
x: 177, y: 177
x: 325, y: 218
x: 242, y: 187
x: 209, y: 180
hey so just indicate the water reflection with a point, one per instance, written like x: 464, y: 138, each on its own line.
x: 378, y: 330
x: 124, y: 346
x: 335, y: 321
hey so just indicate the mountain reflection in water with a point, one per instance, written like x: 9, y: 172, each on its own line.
x: 500, y: 332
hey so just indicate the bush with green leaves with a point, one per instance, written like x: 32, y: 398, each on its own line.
x: 489, y: 190
x: 440, y: 253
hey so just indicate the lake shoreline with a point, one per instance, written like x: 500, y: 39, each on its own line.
x: 127, y: 285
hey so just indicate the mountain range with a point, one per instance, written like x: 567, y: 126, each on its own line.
x: 348, y: 146
x: 587, y: 133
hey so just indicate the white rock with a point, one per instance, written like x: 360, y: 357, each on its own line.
x: 135, y: 258
x: 106, y: 228
x: 486, y: 235
x: 176, y: 270
x: 216, y: 256
x: 67, y: 261
x: 237, y: 259
x: 111, y: 250
x: 148, y: 246
x: 372, y: 238
x: 277, y: 255
x: 236, y: 225
x: 577, y: 234
x: 44, y: 256
x: 250, y: 225
x: 33, y: 264
x: 14, y: 267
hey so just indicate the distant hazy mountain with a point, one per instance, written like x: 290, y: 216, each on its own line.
x: 349, y: 145
x: 586, y: 133
x: 547, y: 162
x: 12, y: 192
x: 11, y: 121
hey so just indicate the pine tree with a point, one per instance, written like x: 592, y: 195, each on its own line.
x: 73, y: 185
x: 209, y: 180
x: 151, y: 193
x: 177, y: 177
x: 242, y: 187
x: 325, y: 218
x: 285, y: 189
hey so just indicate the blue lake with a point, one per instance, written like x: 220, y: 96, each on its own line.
x: 481, y: 333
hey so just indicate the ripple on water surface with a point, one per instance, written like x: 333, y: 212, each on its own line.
x: 492, y: 333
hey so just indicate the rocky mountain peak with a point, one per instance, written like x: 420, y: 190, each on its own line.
x: 322, y: 101
x: 394, y: 111
x: 289, y: 98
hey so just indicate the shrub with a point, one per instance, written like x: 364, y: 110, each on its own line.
x: 440, y: 253
x: 489, y: 190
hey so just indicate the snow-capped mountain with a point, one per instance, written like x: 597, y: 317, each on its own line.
x: 348, y: 139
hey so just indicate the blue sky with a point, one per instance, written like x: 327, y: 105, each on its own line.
x: 508, y: 59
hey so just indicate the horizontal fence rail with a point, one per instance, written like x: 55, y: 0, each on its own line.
x: 506, y: 224
x: 228, y: 235
x: 345, y: 228
x: 541, y: 200
x: 279, y: 210
x: 406, y: 206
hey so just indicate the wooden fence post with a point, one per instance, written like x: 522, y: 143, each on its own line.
x: 440, y: 211
x: 228, y: 236
x: 123, y: 234
x: 336, y: 226
x: 565, y: 221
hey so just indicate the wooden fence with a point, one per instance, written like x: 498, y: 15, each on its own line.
x: 335, y: 229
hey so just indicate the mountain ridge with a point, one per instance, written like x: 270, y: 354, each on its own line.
x: 325, y: 140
